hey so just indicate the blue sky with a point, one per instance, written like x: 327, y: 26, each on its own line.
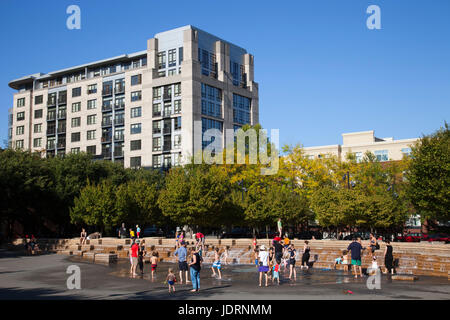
x: 321, y: 71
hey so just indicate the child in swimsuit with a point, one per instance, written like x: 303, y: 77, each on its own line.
x: 216, y: 264
x: 276, y: 273
x: 154, y: 262
x: 171, y: 279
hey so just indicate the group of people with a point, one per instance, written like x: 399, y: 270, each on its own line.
x: 133, y: 234
x: 31, y: 244
x: 356, y: 250
x: 282, y: 253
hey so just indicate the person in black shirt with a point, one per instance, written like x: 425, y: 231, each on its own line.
x: 355, y: 248
x: 278, y: 251
x: 122, y: 232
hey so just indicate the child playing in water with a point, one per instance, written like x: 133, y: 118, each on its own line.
x: 225, y: 255
x: 337, y: 261
x: 154, y: 262
x: 216, y: 264
x: 345, y: 260
x: 276, y: 273
x: 256, y: 254
x: 171, y: 279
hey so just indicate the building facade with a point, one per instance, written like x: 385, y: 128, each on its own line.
x: 139, y: 109
x: 358, y: 143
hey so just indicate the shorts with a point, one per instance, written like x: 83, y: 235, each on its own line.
x: 356, y: 262
x: 183, y: 266
x: 292, y: 262
x: 278, y: 257
x: 276, y: 275
x: 134, y: 260
x: 154, y: 267
x: 171, y: 282
x: 217, y: 265
x: 263, y: 269
x: 256, y: 262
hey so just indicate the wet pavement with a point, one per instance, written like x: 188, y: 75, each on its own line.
x: 44, y: 277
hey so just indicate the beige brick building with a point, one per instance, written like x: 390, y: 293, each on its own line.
x: 139, y: 108
x: 385, y: 149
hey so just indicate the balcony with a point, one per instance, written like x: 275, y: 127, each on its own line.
x: 106, y: 154
x: 167, y: 130
x: 166, y: 147
x: 51, y: 146
x: 167, y: 113
x: 62, y: 129
x: 157, y: 113
x: 118, y: 153
x: 118, y: 137
x: 51, y: 131
x: 167, y: 96
x: 106, y: 122
x: 106, y: 138
x: 107, y: 91
x: 119, y: 122
x: 156, y: 130
x: 62, y: 100
x: 62, y: 115
x: 51, y: 102
x: 51, y: 117
x: 119, y: 89
x: 62, y: 145
x: 119, y: 105
x: 106, y: 107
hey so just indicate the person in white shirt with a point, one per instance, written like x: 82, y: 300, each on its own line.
x: 263, y: 264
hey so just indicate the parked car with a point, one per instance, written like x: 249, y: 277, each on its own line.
x: 438, y: 237
x: 237, y: 233
x: 362, y: 235
x: 152, y: 232
x: 410, y: 237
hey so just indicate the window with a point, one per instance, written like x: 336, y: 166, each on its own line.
x: 136, y: 112
x: 157, y: 109
x: 135, y: 145
x: 75, y: 137
x: 92, y: 88
x: 38, y: 99
x: 156, y: 126
x: 161, y: 60
x: 19, y: 144
x: 136, y: 96
x: 209, y: 124
x: 75, y: 150
x: 406, y: 152
x: 177, y: 141
x: 92, y: 104
x: 38, y: 114
x: 135, y: 128
x: 76, y: 92
x: 20, y: 116
x: 76, y: 122
x: 76, y: 106
x: 91, y: 119
x: 135, y: 162
x: 382, y: 155
x: 177, y: 123
x: 241, y: 109
x: 177, y: 106
x: 91, y: 149
x: 20, y: 130
x: 359, y: 156
x: 37, y: 128
x: 177, y: 90
x: 37, y: 142
x: 211, y: 101
x: 157, y: 144
x: 136, y: 79
x: 172, y: 72
x: 157, y: 93
x: 167, y: 109
x: 91, y: 135
x: 172, y: 57
x: 156, y: 161
x: 20, y: 102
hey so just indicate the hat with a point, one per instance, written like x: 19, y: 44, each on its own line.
x: 263, y: 247
x: 178, y: 229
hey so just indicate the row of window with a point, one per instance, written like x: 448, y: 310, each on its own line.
x: 165, y: 92
x: 211, y: 101
x: 157, y: 142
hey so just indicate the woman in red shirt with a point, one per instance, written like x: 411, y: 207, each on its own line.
x: 134, y: 258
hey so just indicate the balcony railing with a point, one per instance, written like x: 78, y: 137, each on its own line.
x: 107, y: 91
x: 50, y: 146
x: 106, y: 154
x: 51, y: 131
x: 119, y: 122
x: 61, y: 129
x: 157, y: 113
x: 118, y: 153
x: 62, y: 100
x: 61, y: 115
x: 106, y: 123
x: 167, y: 113
x: 119, y: 137
x: 167, y: 130
x: 119, y: 105
x: 156, y: 130
x: 61, y: 145
x: 106, y: 139
x: 51, y: 102
x: 120, y: 89
x: 166, y: 147
x: 107, y: 107
x: 51, y: 117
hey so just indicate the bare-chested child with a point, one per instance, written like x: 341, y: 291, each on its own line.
x: 171, y: 279
x: 154, y: 262
x: 216, y: 264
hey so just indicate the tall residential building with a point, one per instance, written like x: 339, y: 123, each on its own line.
x: 139, y: 108
x: 385, y: 149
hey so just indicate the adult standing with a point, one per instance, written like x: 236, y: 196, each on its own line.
x: 373, y: 244
x: 388, y: 258
x: 263, y: 258
x: 195, y: 269
x: 305, y: 256
x: 292, y: 254
x: 278, y: 250
x: 134, y: 257
x: 181, y: 254
x: 355, y: 248
x: 279, y: 226
x: 122, y: 232
x: 141, y: 255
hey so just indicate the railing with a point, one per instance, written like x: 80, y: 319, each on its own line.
x: 119, y: 121
x: 157, y: 113
x: 120, y: 105
x: 167, y: 130
x: 106, y: 123
x: 166, y: 147
x: 50, y: 146
x: 106, y: 154
x: 120, y: 89
x: 51, y: 131
x: 62, y: 100
x: 107, y: 91
x: 61, y: 115
x: 167, y: 96
x: 156, y: 130
x: 118, y: 153
x: 119, y: 137
x: 106, y: 139
x: 51, y: 117
x: 107, y: 107
x: 51, y: 102
x: 61, y: 129
x: 61, y: 145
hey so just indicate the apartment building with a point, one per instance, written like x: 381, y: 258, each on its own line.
x: 385, y: 149
x: 140, y: 109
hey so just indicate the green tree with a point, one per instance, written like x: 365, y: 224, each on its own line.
x: 429, y: 175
